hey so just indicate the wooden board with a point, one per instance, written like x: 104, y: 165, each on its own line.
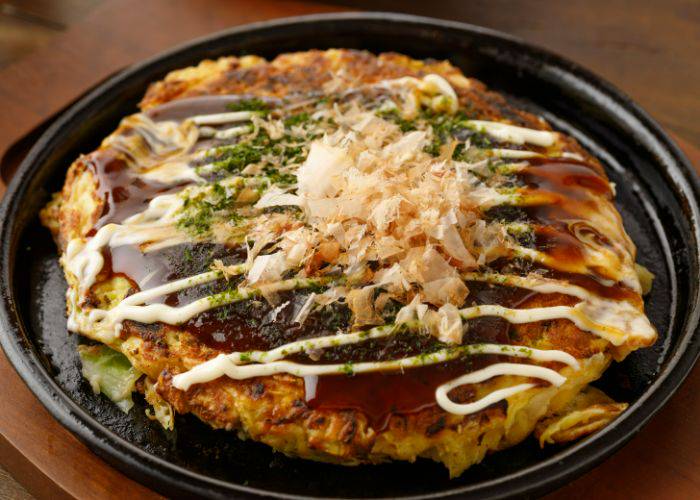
x: 663, y: 461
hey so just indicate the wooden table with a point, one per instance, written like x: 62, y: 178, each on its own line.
x: 611, y: 37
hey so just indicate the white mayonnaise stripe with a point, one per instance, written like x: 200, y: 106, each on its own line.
x: 624, y: 273
x: 620, y: 314
x: 221, y: 118
x: 155, y: 226
x: 468, y: 408
x: 526, y: 154
x: 173, y: 286
x: 310, y: 344
x: 517, y: 369
x: 384, y: 331
x: 85, y: 260
x: 500, y: 131
x: 177, y: 315
x: 576, y: 314
x: 430, y: 84
x: 573, y: 314
x: 161, y: 209
x: 531, y: 282
x: 228, y: 364
x: 513, y: 153
x: 516, y: 135
x: 228, y: 133
x: 153, y: 313
x: 165, y: 243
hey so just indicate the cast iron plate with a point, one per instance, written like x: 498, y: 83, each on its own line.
x: 657, y: 196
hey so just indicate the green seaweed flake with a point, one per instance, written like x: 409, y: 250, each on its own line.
x: 236, y: 158
x: 298, y: 119
x: 279, y: 178
x: 393, y: 115
x: 444, y: 127
x: 348, y: 369
x: 228, y: 296
x: 253, y: 104
x: 199, y: 212
x: 525, y: 350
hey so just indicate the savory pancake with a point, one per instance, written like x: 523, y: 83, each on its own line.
x: 352, y: 258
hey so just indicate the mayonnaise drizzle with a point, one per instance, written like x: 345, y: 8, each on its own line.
x: 467, y: 408
x: 512, y: 369
x: 614, y: 320
x: 384, y: 331
x: 513, y: 153
x: 221, y: 118
x: 266, y: 363
x: 152, y: 313
x: 228, y: 133
x: 229, y: 364
x: 517, y: 135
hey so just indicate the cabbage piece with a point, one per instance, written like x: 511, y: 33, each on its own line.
x: 160, y: 409
x: 646, y: 278
x: 110, y: 373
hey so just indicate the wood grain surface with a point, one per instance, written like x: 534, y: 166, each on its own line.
x: 648, y: 49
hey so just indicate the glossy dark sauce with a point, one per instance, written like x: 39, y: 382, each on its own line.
x: 592, y: 283
x: 568, y: 178
x: 615, y: 292
x: 123, y: 192
x: 380, y: 395
x: 168, y: 264
x: 572, y: 190
x: 258, y: 325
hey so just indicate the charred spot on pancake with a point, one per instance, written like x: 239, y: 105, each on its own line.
x: 436, y: 427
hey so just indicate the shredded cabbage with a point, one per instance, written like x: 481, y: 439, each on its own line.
x: 110, y: 373
x: 160, y: 409
x: 646, y: 278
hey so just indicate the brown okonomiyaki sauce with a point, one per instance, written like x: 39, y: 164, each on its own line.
x: 260, y: 325
x: 569, y: 191
x: 123, y: 192
x: 380, y: 395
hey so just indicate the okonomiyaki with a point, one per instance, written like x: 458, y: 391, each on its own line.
x: 352, y: 258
